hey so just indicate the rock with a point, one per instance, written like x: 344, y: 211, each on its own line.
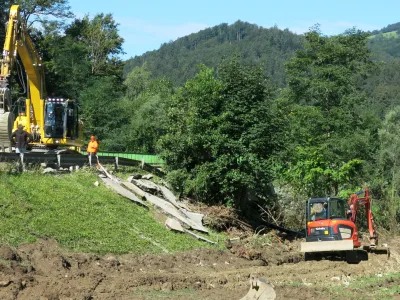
x: 96, y: 183
x: 7, y: 253
x: 49, y: 171
x: 43, y: 165
x: 113, y: 261
x: 335, y: 278
x: 148, y: 176
x: 136, y: 176
x: 5, y: 283
x: 167, y: 286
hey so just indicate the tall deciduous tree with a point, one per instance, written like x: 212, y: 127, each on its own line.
x: 389, y: 167
x: 38, y: 10
x: 331, y: 134
x: 221, y: 136
x: 100, y: 34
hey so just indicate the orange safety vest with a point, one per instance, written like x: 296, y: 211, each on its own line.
x: 93, y: 147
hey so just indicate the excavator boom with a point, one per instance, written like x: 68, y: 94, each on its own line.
x: 51, y: 122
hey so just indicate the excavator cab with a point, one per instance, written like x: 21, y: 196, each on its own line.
x: 61, y: 119
x: 325, y: 208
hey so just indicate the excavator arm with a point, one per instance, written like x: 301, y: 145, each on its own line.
x: 52, y: 122
x: 355, y: 202
x: 19, y: 42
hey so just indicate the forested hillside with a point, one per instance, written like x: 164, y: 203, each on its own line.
x: 256, y: 45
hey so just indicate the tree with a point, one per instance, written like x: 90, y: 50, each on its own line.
x: 100, y: 109
x: 331, y: 134
x: 389, y: 166
x: 38, y: 10
x: 100, y: 34
x: 221, y: 136
x: 144, y: 105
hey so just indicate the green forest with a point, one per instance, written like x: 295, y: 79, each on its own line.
x: 243, y: 116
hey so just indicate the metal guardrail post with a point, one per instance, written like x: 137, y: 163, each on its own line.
x: 116, y: 163
x: 59, y: 160
x: 21, y: 162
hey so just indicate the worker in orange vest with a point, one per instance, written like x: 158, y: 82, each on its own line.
x: 92, y: 148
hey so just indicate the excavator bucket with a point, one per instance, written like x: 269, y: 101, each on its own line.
x: 260, y: 289
x: 384, y: 249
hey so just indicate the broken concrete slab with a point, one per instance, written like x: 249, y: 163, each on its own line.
x: 171, y: 210
x: 130, y: 186
x: 135, y: 176
x: 167, y: 193
x: 146, y: 185
x: 199, y: 237
x: 196, y: 217
x: 122, y: 191
x: 148, y: 176
x: 49, y: 171
x: 174, y: 225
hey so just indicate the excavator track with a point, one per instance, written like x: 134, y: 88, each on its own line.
x: 4, y: 130
x: 4, y: 118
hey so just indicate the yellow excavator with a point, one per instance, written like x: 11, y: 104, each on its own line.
x: 52, y: 122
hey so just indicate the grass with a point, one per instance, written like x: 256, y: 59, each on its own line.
x: 368, y: 287
x: 371, y: 287
x: 81, y: 216
x: 152, y: 294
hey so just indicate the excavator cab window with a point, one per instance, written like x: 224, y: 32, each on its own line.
x: 328, y: 208
x: 71, y: 120
x: 54, y: 120
x: 337, y: 209
x: 318, y: 211
x: 61, y: 117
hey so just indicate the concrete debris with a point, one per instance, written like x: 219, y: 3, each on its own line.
x: 139, y: 192
x: 196, y: 217
x: 96, y: 183
x: 174, y: 225
x: 146, y: 185
x: 135, y: 176
x: 122, y: 191
x: 148, y: 176
x: 49, y: 171
x: 171, y: 210
x: 168, y: 195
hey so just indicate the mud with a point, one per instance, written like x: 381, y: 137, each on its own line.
x: 44, y: 271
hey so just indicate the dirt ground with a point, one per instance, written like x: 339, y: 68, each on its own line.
x: 44, y: 271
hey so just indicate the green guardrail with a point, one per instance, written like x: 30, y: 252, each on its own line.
x: 148, y: 159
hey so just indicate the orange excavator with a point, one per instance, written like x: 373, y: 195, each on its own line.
x: 331, y: 228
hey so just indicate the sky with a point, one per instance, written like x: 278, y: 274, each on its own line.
x: 145, y: 25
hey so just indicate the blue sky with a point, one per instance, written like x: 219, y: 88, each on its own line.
x: 145, y: 25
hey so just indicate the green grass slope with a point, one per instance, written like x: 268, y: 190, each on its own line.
x: 80, y: 216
